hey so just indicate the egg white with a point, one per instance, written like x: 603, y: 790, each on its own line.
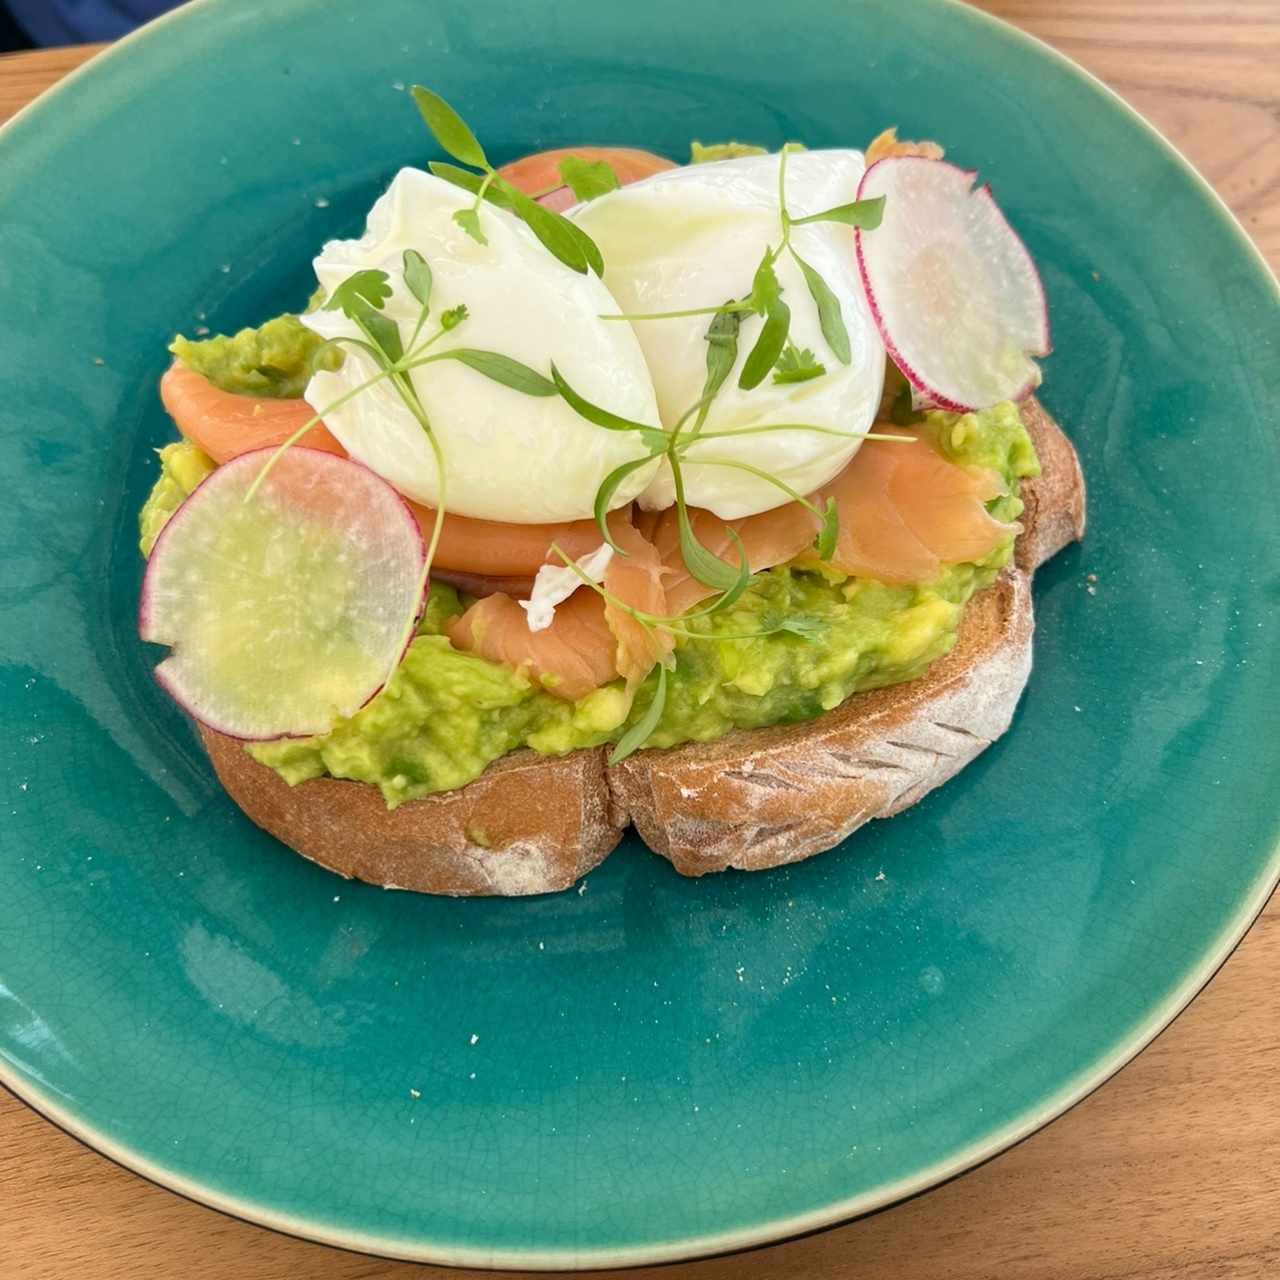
x: 508, y: 456
x: 693, y: 237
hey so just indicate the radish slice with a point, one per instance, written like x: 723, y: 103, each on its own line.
x: 290, y: 610
x: 954, y: 292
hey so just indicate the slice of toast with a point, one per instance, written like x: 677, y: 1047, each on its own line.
x: 752, y: 799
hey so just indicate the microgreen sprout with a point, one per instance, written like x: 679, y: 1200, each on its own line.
x: 642, y: 730
x: 564, y: 239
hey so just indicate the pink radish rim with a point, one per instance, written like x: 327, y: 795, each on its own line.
x: 904, y: 365
x: 144, y: 595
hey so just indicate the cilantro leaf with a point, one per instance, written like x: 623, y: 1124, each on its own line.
x: 861, y: 213
x: 449, y: 129
x: 469, y: 221
x: 588, y: 179
x: 797, y: 365
x: 642, y: 730
x: 360, y: 293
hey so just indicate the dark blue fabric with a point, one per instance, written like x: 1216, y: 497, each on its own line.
x: 79, y: 21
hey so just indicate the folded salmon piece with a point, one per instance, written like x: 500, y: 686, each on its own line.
x: 539, y: 175
x: 770, y: 538
x: 225, y: 424
x: 589, y: 641
x: 905, y: 511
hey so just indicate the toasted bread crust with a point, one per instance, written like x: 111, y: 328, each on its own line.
x: 1055, y: 499
x: 751, y: 800
x: 528, y: 824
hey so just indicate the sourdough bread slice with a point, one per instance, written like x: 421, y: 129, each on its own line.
x: 535, y: 824
x: 766, y: 797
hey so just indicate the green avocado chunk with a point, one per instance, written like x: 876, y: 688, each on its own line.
x: 706, y: 152
x: 272, y: 361
x: 182, y: 467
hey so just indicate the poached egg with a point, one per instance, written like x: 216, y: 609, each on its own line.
x: 507, y: 456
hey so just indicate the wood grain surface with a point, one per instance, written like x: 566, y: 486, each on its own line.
x: 1169, y: 1172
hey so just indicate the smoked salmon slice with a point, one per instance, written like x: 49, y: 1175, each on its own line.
x: 499, y: 550
x: 538, y: 175
x: 770, y: 538
x: 226, y: 425
x: 573, y: 656
x: 636, y: 579
x: 589, y: 641
x: 905, y: 511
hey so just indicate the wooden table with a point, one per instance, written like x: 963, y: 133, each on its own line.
x: 1171, y: 1170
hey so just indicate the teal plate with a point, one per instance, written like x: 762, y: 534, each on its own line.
x: 649, y: 1067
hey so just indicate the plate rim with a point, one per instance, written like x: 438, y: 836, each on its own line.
x: 775, y: 1230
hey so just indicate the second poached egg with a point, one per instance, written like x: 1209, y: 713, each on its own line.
x: 693, y: 237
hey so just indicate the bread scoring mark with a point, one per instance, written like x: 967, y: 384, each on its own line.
x: 961, y: 731
x: 920, y: 747
x: 766, y: 781
x: 745, y: 854
x: 860, y: 764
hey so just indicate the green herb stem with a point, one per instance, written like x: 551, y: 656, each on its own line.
x: 680, y: 315
x: 802, y: 426
x: 766, y: 476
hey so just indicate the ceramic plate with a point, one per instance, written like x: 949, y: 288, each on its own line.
x: 647, y: 1067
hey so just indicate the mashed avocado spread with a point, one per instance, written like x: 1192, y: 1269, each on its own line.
x: 273, y: 360
x: 446, y: 715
